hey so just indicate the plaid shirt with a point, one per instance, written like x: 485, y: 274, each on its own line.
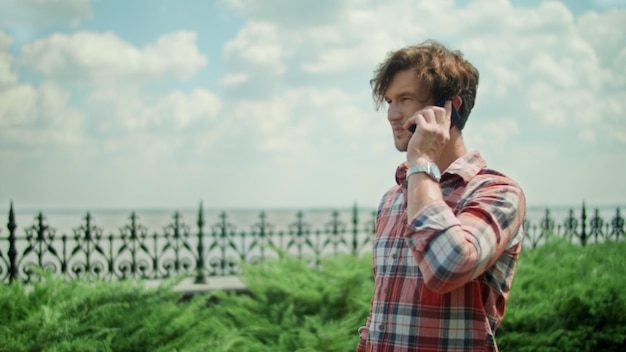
x: 442, y: 280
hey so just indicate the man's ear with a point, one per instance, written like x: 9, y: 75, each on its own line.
x: 457, y: 101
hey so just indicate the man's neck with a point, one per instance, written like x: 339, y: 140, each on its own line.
x: 453, y: 150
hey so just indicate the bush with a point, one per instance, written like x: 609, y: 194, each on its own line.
x: 567, y: 298
x: 564, y: 298
x: 291, y: 307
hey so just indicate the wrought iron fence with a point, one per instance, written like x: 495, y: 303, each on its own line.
x: 220, y: 249
x: 581, y: 230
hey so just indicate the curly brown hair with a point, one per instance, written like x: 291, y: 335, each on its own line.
x: 441, y: 72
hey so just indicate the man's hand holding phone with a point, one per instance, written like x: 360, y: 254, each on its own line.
x: 432, y: 133
x: 455, y: 118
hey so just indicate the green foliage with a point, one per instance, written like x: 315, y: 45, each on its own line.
x: 564, y: 298
x: 291, y: 307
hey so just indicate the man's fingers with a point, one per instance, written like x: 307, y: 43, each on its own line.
x: 410, y: 122
x: 414, y: 120
x: 448, y: 107
x: 428, y: 115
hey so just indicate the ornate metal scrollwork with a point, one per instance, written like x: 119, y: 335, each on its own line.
x: 87, y: 238
x: 617, y: 226
x: 178, y: 249
x: 299, y: 232
x: 44, y: 249
x: 223, y: 234
x: 596, y: 225
x: 133, y: 259
x: 177, y: 253
x: 335, y: 231
x: 261, y: 233
x: 571, y: 226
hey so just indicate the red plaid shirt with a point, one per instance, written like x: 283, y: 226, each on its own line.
x: 442, y: 280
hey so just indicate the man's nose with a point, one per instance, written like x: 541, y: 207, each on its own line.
x: 393, y: 113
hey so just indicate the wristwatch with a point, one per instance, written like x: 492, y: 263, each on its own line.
x: 430, y: 169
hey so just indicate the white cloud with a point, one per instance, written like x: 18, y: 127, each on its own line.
x: 496, y: 133
x: 5, y: 41
x: 119, y: 116
x: 135, y: 127
x: 302, y: 13
x: 619, y: 135
x: 234, y: 79
x: 308, y: 120
x: 364, y: 34
x: 601, y: 30
x: 257, y: 44
x: 587, y: 136
x: 39, y: 117
x: 140, y: 147
x: 610, y: 3
x: 34, y: 116
x: 619, y: 78
x: 19, y: 14
x: 187, y: 108
x: 555, y: 58
x: 124, y: 111
x: 17, y: 106
x: 104, y: 58
x: 7, y: 77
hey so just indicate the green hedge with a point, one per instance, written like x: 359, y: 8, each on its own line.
x: 565, y: 298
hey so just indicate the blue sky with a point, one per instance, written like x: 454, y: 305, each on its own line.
x: 250, y: 104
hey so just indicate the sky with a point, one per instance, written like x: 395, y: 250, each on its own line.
x: 267, y: 104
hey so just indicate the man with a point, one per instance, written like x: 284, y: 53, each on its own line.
x: 446, y: 244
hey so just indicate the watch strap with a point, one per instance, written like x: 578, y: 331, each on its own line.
x: 430, y: 169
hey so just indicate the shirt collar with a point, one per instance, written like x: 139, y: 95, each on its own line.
x: 466, y: 167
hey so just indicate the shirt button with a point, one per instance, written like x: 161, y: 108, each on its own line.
x: 394, y: 256
x: 386, y: 290
x: 381, y: 327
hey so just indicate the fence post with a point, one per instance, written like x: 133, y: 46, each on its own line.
x: 583, y: 232
x: 618, y: 225
x: 12, y: 225
x: 547, y: 226
x: 355, y: 230
x: 200, y: 277
x: 595, y: 226
x: 263, y: 234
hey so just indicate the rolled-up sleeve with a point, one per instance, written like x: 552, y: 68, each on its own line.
x: 451, y: 248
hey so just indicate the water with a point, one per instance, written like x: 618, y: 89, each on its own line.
x: 111, y: 221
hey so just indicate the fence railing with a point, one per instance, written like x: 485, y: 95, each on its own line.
x: 581, y: 230
x: 220, y: 249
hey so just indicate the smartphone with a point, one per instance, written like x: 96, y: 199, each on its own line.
x: 455, y: 118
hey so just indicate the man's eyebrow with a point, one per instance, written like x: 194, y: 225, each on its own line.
x: 403, y: 94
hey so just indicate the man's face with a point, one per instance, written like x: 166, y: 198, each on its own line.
x: 404, y: 97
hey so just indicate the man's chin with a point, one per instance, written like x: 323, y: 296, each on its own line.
x: 401, y: 146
